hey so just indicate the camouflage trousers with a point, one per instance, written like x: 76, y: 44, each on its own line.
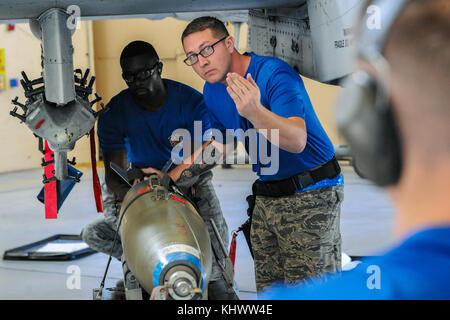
x: 296, y: 237
x: 99, y: 234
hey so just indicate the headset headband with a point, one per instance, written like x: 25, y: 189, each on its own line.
x: 372, y: 40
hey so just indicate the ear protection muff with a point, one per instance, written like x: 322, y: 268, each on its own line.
x: 363, y: 110
x: 366, y: 120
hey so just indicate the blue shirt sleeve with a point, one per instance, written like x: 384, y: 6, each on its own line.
x: 200, y: 121
x: 216, y: 124
x: 110, y: 129
x: 347, y: 285
x: 286, y: 93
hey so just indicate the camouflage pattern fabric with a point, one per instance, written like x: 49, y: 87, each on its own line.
x: 99, y: 234
x: 296, y: 237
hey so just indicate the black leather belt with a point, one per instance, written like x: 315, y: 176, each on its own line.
x: 289, y: 186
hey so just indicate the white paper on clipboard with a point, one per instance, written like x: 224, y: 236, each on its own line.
x: 63, y: 247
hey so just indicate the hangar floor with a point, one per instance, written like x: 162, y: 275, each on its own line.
x: 366, y: 226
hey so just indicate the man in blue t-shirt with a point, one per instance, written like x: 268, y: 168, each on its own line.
x: 296, y: 200
x: 139, y: 129
x: 401, y: 87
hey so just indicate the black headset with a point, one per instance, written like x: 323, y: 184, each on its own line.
x: 363, y: 111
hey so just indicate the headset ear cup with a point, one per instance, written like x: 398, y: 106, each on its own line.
x: 369, y: 129
x: 392, y: 162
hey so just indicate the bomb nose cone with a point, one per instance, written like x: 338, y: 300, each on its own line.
x: 182, y: 287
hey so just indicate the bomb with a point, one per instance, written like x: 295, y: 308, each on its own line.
x: 165, y: 241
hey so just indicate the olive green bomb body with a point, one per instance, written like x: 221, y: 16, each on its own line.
x: 165, y: 241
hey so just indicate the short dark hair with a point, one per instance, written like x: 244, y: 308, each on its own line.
x: 138, y: 48
x: 202, y: 23
x: 418, y: 50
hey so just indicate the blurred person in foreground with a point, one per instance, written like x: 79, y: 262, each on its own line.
x: 395, y: 114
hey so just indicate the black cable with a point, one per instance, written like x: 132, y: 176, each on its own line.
x: 102, y: 285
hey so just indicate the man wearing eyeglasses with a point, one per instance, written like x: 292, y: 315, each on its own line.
x: 296, y: 211
x: 138, y: 129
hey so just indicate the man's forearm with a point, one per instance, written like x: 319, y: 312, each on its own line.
x: 291, y: 131
x: 195, y: 165
x: 190, y: 172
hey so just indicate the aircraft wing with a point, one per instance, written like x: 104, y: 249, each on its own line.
x: 93, y: 9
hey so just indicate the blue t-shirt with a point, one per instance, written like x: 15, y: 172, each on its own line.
x: 283, y: 93
x: 147, y: 136
x: 419, y: 268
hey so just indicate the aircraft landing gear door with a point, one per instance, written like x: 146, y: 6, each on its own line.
x: 284, y: 34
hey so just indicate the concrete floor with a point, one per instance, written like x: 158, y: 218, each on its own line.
x: 366, y: 226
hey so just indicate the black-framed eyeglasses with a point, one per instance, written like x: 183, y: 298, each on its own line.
x: 205, y: 52
x: 141, y: 75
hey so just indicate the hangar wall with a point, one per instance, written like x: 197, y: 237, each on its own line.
x: 111, y: 36
x: 107, y: 38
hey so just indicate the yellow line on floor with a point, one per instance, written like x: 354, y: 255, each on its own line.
x: 7, y: 185
x: 21, y: 183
